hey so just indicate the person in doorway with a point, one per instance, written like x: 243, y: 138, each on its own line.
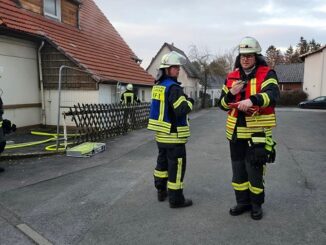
x: 249, y: 95
x: 169, y: 119
x: 129, y: 97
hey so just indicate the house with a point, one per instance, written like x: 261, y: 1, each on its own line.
x: 214, y: 87
x: 290, y: 76
x: 38, y: 37
x: 314, y: 81
x: 188, y: 76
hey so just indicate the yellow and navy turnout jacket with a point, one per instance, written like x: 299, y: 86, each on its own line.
x: 261, y: 87
x: 129, y: 97
x: 168, y: 113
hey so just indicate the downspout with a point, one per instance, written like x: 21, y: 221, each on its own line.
x: 322, y: 73
x: 43, y: 115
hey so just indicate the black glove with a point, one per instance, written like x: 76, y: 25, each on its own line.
x: 270, y: 149
x: 8, y: 127
x: 257, y: 154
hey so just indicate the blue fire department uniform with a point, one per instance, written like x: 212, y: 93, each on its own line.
x: 168, y: 118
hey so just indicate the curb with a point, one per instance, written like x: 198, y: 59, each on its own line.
x: 14, y: 156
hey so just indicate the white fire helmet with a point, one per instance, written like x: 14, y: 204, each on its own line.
x: 129, y: 87
x: 249, y: 45
x: 171, y: 59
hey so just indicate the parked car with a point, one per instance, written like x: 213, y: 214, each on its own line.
x: 317, y: 103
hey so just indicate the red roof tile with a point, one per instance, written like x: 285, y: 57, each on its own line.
x: 96, y: 45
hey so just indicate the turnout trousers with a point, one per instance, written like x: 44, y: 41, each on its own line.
x: 170, y: 170
x: 247, y: 180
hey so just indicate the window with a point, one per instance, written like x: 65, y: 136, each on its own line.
x: 52, y: 8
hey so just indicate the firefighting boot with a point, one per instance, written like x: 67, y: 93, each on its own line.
x: 239, y: 209
x: 185, y: 203
x: 2, y: 170
x: 256, y: 212
x: 161, y: 195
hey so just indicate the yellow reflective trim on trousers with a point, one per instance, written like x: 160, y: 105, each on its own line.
x: 174, y: 186
x: 255, y: 190
x: 1, y: 124
x: 179, y: 172
x: 269, y: 81
x: 159, y: 123
x: 161, y: 174
x: 178, y: 184
x: 179, y: 101
x: 225, y: 89
x: 253, y: 88
x: 224, y: 104
x: 240, y: 187
x: 265, y: 99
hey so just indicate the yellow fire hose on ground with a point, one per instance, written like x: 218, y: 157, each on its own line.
x: 53, y: 137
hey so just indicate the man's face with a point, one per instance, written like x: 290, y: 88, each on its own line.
x: 247, y: 61
x: 173, y: 71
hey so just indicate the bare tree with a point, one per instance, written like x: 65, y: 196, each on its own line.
x: 274, y: 56
x: 202, y: 60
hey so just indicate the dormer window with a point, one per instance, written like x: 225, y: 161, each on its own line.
x: 52, y: 8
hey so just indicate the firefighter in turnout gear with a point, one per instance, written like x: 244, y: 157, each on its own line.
x: 169, y: 119
x: 129, y: 97
x: 249, y: 95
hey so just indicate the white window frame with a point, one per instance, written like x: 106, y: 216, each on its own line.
x: 58, y: 6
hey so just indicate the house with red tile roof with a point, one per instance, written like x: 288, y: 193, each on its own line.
x: 188, y: 76
x: 38, y: 37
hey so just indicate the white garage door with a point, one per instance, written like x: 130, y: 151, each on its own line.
x: 19, y: 81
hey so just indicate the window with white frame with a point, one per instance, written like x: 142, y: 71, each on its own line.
x: 52, y: 8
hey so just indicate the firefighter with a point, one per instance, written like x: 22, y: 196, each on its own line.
x: 129, y: 96
x: 249, y: 95
x: 169, y: 119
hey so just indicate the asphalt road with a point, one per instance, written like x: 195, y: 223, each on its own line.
x: 110, y: 199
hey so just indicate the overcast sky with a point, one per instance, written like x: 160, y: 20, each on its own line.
x: 214, y: 25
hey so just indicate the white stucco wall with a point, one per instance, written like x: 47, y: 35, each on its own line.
x: 314, y: 81
x: 154, y: 67
x: 68, y: 98
x: 19, y: 80
x: 190, y: 85
x: 105, y: 95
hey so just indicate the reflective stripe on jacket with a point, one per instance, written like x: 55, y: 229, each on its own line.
x: 262, y: 121
x: 168, y: 130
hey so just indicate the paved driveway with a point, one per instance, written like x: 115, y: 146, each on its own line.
x: 110, y: 199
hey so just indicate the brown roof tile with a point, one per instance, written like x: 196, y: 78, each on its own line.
x: 96, y: 45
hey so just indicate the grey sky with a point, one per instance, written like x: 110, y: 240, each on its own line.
x: 214, y: 25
